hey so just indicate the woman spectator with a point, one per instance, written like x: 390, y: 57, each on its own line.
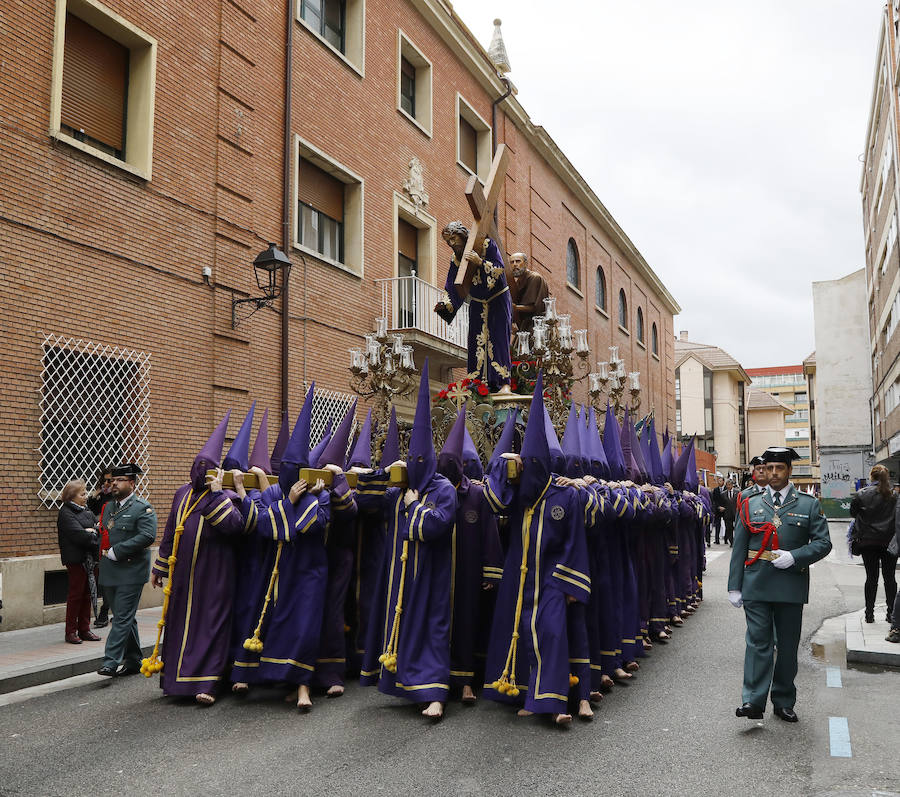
x: 873, y: 507
x: 75, y: 526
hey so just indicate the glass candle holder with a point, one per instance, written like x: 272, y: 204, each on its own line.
x: 381, y: 326
x: 635, y: 377
x: 398, y: 345
x: 550, y: 308
x: 581, y: 341
x: 603, y: 370
x: 613, y: 354
x: 596, y: 383
x: 406, y: 359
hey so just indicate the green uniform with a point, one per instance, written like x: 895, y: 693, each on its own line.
x: 132, y: 530
x: 773, y: 598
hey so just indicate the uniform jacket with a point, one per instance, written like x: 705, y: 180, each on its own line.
x: 803, y: 532
x: 132, y: 530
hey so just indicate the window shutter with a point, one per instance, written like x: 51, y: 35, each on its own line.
x: 407, y: 240
x: 468, y: 145
x: 319, y: 189
x: 95, y: 83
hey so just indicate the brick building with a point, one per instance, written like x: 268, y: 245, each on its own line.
x: 152, y: 150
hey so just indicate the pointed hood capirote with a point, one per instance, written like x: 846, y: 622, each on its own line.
x: 391, y: 451
x: 421, y: 461
x: 557, y: 458
x: 691, y: 480
x: 284, y: 434
x: 667, y: 461
x: 336, y: 451
x: 238, y: 455
x: 361, y: 455
x: 571, y: 445
x: 472, y: 466
x: 210, y: 455
x: 296, y: 453
x: 316, y: 451
x: 450, y: 460
x: 506, y: 439
x: 596, y: 454
x: 679, y: 469
x: 536, y: 466
x: 656, y: 468
x: 637, y: 452
x: 259, y: 457
x: 631, y: 468
x: 612, y: 445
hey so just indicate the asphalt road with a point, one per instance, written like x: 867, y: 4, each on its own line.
x: 672, y: 731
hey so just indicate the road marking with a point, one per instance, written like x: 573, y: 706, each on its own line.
x: 839, y: 734
x: 833, y: 677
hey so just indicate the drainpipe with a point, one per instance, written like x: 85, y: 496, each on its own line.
x: 286, y: 205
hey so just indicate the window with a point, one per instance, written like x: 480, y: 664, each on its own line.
x: 95, y: 409
x: 800, y: 398
x: 407, y: 254
x: 677, y: 389
x: 328, y: 406
x: 339, y: 24
x: 473, y: 138
x: 623, y: 309
x: 102, y: 91
x: 893, y: 318
x: 572, y: 265
x: 414, y: 87
x: 600, y: 289
x: 413, y: 295
x: 329, y: 202
x: 640, y: 325
x: 678, y: 421
x: 654, y: 340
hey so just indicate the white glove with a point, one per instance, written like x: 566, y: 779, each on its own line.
x: 111, y: 555
x: 734, y: 595
x: 784, y: 561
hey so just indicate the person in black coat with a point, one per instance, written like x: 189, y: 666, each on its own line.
x: 78, y: 538
x: 728, y: 509
x: 873, y: 508
x: 95, y: 502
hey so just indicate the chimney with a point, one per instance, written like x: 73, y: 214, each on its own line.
x: 682, y: 335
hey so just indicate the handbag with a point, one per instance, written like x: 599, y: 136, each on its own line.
x: 894, y: 546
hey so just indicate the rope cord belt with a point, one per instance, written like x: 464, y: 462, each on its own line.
x: 769, y: 530
x: 490, y: 298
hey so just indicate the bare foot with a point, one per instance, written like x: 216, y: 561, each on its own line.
x: 596, y: 697
x: 303, y: 700
x: 524, y: 712
x: 335, y: 691
x: 620, y: 675
x: 677, y: 621
x: 585, y: 712
x: 204, y: 699
x: 434, y: 710
x: 648, y: 645
x: 468, y: 696
x: 563, y: 719
x: 240, y: 688
x: 632, y: 666
x: 606, y: 682
x: 504, y: 390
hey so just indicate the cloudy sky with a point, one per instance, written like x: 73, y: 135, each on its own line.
x: 724, y: 138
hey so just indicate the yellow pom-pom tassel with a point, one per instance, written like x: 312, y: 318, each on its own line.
x: 514, y: 691
x: 573, y: 680
x: 382, y: 659
x: 496, y: 685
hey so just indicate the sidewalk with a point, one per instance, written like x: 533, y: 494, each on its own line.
x: 33, y: 656
x: 866, y: 642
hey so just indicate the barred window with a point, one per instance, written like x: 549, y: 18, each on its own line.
x: 329, y: 406
x: 95, y: 412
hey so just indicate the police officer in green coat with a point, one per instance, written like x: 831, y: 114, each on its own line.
x: 125, y: 568
x: 779, y: 534
x: 759, y: 478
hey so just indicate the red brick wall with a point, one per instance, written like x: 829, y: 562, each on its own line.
x: 92, y: 252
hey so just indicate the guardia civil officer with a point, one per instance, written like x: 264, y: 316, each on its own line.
x: 784, y: 533
x: 125, y: 568
x: 759, y: 478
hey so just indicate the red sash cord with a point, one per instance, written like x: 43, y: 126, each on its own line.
x: 768, y: 530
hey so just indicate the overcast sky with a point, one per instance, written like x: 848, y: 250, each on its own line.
x: 723, y: 137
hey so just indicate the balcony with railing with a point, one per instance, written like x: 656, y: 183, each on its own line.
x: 408, y: 304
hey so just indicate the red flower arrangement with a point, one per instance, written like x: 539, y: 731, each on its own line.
x: 455, y: 390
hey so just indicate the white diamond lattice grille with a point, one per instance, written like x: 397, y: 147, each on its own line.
x: 95, y: 412
x: 328, y: 405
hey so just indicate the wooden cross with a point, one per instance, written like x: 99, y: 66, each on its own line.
x: 482, y: 204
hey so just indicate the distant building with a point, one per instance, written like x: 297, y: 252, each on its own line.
x: 809, y: 371
x: 843, y: 390
x: 710, y: 390
x: 788, y: 385
x: 766, y: 422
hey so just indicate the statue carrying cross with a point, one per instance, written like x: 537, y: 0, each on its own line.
x: 477, y: 273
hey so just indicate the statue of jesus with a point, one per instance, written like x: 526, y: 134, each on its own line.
x: 490, y: 307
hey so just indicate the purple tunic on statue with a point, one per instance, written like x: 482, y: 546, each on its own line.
x: 490, y: 317
x: 477, y: 560
x: 293, y: 621
x: 555, y: 566
x: 195, y: 647
x: 422, y: 531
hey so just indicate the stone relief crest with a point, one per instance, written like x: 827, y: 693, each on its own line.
x: 414, y: 184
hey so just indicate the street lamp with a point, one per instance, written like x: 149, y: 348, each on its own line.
x: 266, y: 266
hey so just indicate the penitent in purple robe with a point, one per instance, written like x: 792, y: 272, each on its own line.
x: 195, y: 647
x: 477, y: 560
x: 490, y: 317
x: 555, y: 565
x: 422, y: 532
x: 293, y: 621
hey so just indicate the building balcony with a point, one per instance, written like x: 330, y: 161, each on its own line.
x: 408, y: 304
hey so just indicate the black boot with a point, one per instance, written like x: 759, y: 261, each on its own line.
x: 870, y: 615
x: 102, y: 618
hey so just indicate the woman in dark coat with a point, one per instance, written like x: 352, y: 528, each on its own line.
x: 873, y: 507
x: 75, y: 526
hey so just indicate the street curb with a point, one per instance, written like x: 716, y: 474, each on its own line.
x: 39, y: 675
x: 859, y: 652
